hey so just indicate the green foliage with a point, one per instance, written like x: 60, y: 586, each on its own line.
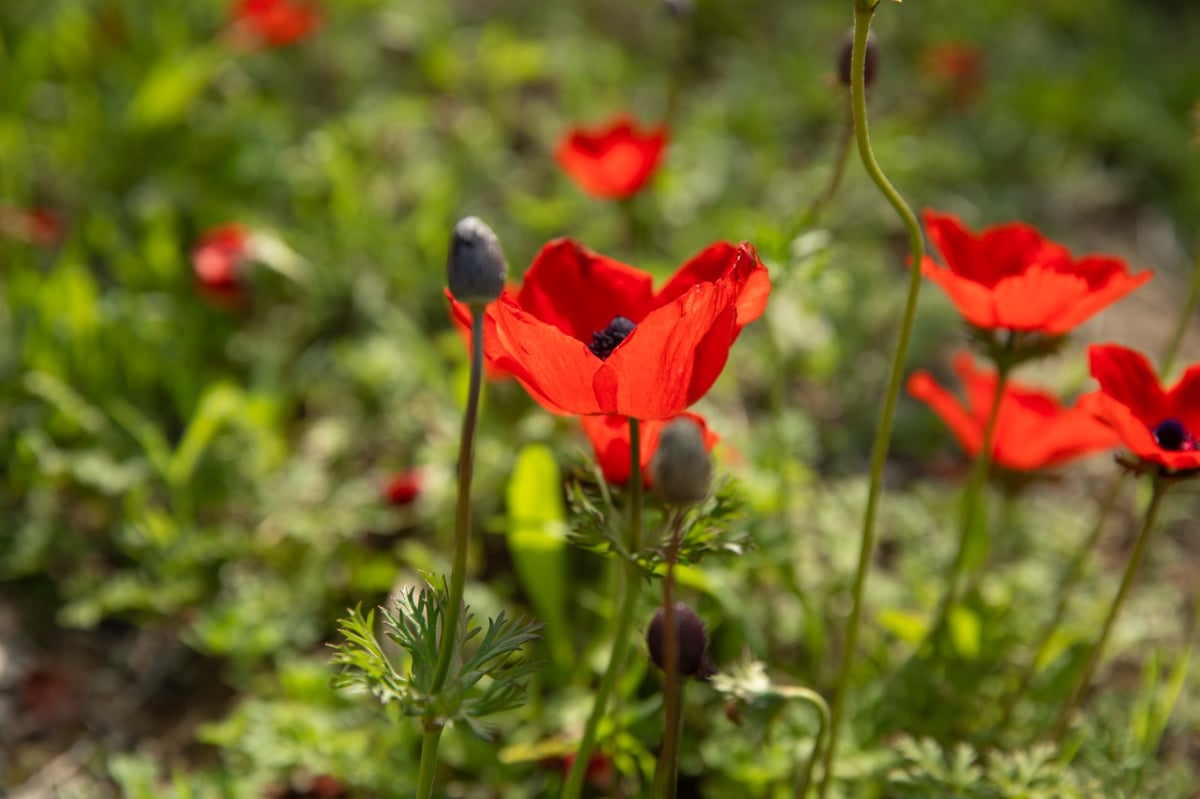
x: 486, y: 677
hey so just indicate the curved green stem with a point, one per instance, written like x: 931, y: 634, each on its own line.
x: 972, y: 506
x: 573, y: 786
x: 1135, y: 559
x: 452, y: 613
x: 666, y: 774
x: 1064, y: 589
x: 1181, y: 324
x: 883, y: 433
x: 815, y: 700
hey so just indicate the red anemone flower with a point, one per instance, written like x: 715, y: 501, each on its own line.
x: 610, y: 441
x: 613, y: 161
x: 1159, y: 426
x: 275, y: 23
x: 32, y: 226
x: 587, y: 335
x: 218, y: 261
x: 1009, y: 277
x: 1033, y: 431
x: 403, y: 488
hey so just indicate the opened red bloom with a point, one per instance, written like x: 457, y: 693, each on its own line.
x: 1159, y: 426
x: 1009, y: 277
x: 586, y: 334
x: 218, y: 261
x: 613, y: 161
x: 610, y: 441
x: 1033, y: 430
x: 275, y: 23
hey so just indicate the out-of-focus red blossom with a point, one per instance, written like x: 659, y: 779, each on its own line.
x: 274, y: 23
x: 403, y: 488
x: 31, y: 225
x: 588, y: 335
x: 610, y: 442
x: 1009, y: 277
x: 1160, y: 426
x: 218, y: 261
x: 49, y: 696
x: 599, y: 770
x: 612, y: 161
x: 957, y: 67
x: 1033, y: 430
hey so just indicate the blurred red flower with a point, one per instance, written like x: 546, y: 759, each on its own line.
x: 1033, y: 431
x: 218, y: 261
x: 612, y: 161
x: 957, y: 67
x: 586, y: 334
x: 275, y: 23
x: 403, y: 488
x: 1159, y: 426
x: 610, y: 442
x: 31, y: 225
x: 1010, y: 277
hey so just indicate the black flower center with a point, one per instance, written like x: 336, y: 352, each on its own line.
x: 1172, y: 435
x: 606, y: 340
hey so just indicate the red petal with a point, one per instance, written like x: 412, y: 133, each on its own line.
x: 1107, y: 288
x: 579, y: 291
x: 922, y: 386
x: 974, y: 302
x: 1127, y: 377
x: 724, y: 261
x: 1037, y: 300
x: 610, y: 442
x: 614, y: 161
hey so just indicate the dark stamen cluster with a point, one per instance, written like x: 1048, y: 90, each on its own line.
x: 1172, y: 436
x: 606, y: 340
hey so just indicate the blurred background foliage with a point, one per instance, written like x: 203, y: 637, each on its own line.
x: 192, y: 495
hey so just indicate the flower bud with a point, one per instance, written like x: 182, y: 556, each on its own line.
x: 693, y: 642
x: 681, y: 467
x: 871, y: 62
x: 475, y: 268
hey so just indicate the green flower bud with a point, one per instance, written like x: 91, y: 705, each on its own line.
x: 681, y: 467
x: 475, y: 268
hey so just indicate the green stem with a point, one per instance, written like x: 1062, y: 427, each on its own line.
x: 462, y: 542
x: 815, y: 700
x: 666, y: 775
x: 1065, y: 588
x: 972, y: 504
x: 1135, y: 559
x: 573, y: 786
x: 883, y: 432
x: 1182, y: 323
x: 846, y: 137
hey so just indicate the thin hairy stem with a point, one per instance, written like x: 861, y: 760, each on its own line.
x: 883, y: 432
x: 462, y: 542
x: 631, y: 590
x: 666, y: 775
x: 1093, y: 661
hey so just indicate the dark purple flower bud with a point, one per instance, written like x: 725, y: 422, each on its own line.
x: 693, y: 642
x: 846, y: 53
x: 475, y: 268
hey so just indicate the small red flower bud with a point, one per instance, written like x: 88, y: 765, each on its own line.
x: 693, y: 642
x: 403, y: 489
x: 845, y: 54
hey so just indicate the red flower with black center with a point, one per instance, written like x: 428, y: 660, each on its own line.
x: 218, y: 261
x: 610, y: 442
x: 613, y: 161
x: 587, y: 335
x: 1033, y: 430
x: 1159, y: 426
x: 1009, y: 277
x: 275, y: 23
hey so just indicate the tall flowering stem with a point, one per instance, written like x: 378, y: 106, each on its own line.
x: 972, y: 505
x: 462, y: 540
x: 666, y: 775
x: 631, y: 589
x: 1135, y: 559
x: 864, y: 10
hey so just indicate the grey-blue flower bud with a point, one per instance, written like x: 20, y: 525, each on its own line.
x: 681, y: 467
x: 475, y: 268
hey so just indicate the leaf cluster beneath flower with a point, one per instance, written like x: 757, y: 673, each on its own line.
x: 487, y: 676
